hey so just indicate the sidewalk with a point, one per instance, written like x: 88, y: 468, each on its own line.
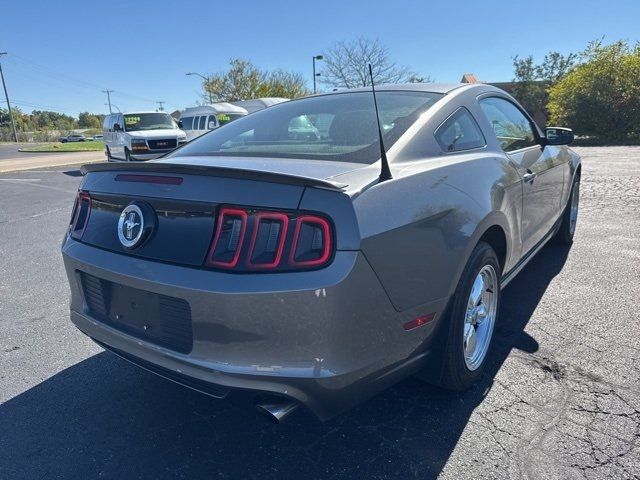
x: 43, y: 160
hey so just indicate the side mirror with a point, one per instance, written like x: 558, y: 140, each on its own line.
x: 558, y: 136
x: 116, y: 127
x: 179, y: 123
x: 212, y: 125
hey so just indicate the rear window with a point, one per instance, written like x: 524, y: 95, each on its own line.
x: 460, y: 132
x: 337, y: 127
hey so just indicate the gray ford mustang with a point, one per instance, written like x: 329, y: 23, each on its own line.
x: 320, y: 269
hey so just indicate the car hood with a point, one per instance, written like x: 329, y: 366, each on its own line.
x: 164, y: 133
x: 344, y: 173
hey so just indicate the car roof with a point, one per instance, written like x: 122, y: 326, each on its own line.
x: 411, y: 87
x: 137, y: 112
x: 218, y: 107
x: 442, y: 88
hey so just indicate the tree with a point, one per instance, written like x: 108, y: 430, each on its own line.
x: 245, y: 81
x: 345, y: 65
x: 284, y: 84
x: 601, y: 96
x: 90, y: 120
x: 531, y: 80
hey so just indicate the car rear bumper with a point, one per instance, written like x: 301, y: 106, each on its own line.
x: 328, y: 338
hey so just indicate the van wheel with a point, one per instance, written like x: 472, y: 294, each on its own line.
x: 127, y: 155
x: 468, y: 333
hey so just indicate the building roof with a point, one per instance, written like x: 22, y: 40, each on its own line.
x: 469, y: 78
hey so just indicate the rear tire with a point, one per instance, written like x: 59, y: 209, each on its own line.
x: 570, y: 216
x: 468, y: 334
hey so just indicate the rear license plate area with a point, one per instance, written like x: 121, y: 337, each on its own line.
x: 155, y: 318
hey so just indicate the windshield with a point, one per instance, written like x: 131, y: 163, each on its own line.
x: 224, y: 118
x: 339, y: 127
x: 148, y: 121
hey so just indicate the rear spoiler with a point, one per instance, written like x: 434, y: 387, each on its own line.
x: 186, y: 169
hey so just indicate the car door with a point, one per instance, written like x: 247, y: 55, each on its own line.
x: 541, y: 171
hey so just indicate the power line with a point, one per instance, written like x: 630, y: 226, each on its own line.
x: 62, y: 77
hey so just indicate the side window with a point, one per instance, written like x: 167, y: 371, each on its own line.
x: 460, y: 132
x: 187, y: 122
x: 511, y: 127
x: 203, y: 122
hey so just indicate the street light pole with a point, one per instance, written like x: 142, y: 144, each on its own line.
x: 160, y: 103
x: 108, y: 92
x: 6, y: 95
x: 206, y: 80
x: 315, y: 57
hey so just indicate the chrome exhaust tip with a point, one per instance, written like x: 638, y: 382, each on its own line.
x: 275, y: 409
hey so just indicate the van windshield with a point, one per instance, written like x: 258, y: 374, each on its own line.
x: 336, y: 127
x: 148, y: 121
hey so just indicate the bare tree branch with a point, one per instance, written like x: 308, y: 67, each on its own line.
x: 345, y: 65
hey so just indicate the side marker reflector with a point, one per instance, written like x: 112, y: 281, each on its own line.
x: 419, y: 322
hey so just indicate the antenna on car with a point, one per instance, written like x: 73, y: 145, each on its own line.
x: 385, y: 172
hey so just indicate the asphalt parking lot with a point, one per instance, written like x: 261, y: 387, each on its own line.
x: 561, y: 399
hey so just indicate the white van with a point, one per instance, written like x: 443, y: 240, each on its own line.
x: 256, y: 104
x: 140, y: 135
x: 197, y: 121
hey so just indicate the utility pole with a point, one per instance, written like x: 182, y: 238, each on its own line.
x: 160, y: 103
x: 108, y: 92
x: 315, y: 57
x: 6, y: 95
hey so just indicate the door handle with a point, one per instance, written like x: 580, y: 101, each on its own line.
x: 528, y: 176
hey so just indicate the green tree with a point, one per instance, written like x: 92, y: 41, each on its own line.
x: 601, y: 96
x: 90, y: 120
x: 245, y: 81
x: 532, y: 81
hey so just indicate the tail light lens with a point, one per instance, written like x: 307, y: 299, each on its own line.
x: 80, y: 215
x: 229, y: 237
x: 257, y: 240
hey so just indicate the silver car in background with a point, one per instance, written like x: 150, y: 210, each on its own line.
x: 321, y: 269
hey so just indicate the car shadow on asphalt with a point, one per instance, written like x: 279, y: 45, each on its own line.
x: 106, y: 418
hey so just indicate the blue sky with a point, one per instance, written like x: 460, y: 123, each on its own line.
x: 62, y: 54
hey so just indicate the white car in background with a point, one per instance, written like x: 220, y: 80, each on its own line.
x: 73, y: 137
x: 197, y: 121
x: 141, y: 135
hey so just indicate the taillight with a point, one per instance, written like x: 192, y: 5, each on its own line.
x: 228, y: 239
x: 80, y: 215
x: 258, y: 240
x: 311, y: 242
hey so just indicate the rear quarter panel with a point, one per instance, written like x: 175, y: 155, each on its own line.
x: 419, y: 229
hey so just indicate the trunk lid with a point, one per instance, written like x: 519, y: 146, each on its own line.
x: 185, y: 197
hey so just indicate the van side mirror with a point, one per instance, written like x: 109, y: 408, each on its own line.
x: 179, y: 123
x: 116, y: 127
x: 212, y: 125
x: 558, y: 136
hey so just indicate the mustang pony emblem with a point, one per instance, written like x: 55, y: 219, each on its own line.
x: 132, y: 226
x: 130, y: 223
